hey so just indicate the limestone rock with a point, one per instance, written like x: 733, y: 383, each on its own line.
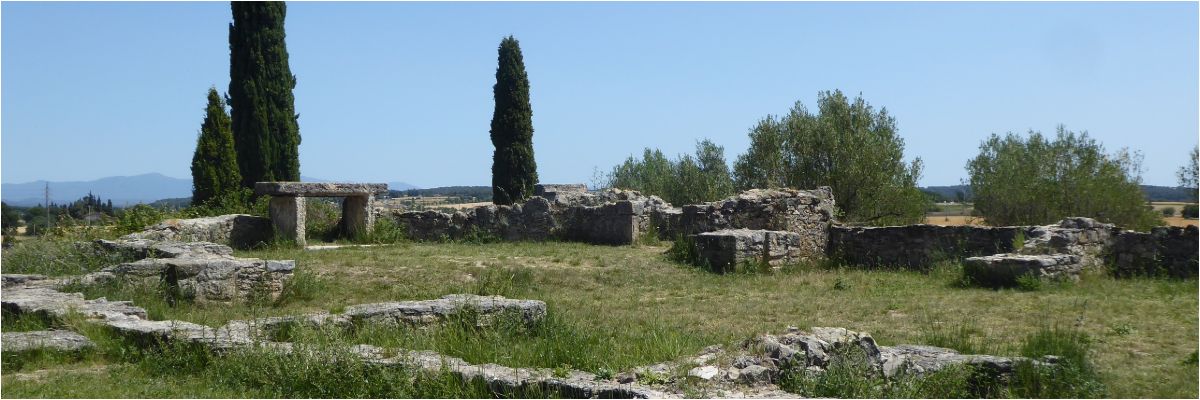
x: 706, y: 372
x: 426, y: 312
x: 237, y: 230
x: 50, y: 340
x: 725, y: 249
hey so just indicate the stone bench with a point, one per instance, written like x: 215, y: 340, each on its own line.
x: 287, y: 204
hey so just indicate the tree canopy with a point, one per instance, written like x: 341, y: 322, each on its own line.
x: 848, y: 146
x: 263, y: 112
x: 685, y: 180
x: 1036, y: 180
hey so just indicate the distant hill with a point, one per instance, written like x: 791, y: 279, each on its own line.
x: 122, y: 190
x: 1152, y: 193
x: 483, y: 193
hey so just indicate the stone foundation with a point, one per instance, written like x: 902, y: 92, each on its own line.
x: 916, y: 246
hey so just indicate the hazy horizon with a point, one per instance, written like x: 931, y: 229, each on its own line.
x: 402, y: 91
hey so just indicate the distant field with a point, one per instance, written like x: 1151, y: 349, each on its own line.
x: 958, y: 214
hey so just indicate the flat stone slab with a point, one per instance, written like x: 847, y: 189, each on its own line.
x: 318, y: 189
x: 432, y: 311
x: 1005, y: 269
x: 48, y: 340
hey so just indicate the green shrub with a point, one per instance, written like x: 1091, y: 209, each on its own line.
x: 1168, y: 212
x: 1191, y: 211
x: 138, y: 217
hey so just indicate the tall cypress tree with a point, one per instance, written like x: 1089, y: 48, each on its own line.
x: 214, y: 165
x: 514, y: 172
x: 265, y: 132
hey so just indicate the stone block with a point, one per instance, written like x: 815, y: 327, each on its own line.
x: 236, y: 230
x: 44, y: 340
x: 723, y: 251
x: 318, y: 189
x: 287, y: 214
x: 1003, y: 270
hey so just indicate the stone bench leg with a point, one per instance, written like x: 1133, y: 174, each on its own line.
x: 287, y: 214
x: 356, y: 215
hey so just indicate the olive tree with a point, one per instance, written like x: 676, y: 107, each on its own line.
x: 848, y: 146
x: 1038, y: 180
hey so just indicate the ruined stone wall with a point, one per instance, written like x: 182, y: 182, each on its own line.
x: 808, y: 213
x: 1164, y: 251
x: 916, y: 246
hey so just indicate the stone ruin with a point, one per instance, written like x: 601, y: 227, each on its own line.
x: 752, y: 369
x: 288, y: 203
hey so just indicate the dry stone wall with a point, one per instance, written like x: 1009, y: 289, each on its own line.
x: 917, y: 246
x: 1164, y: 251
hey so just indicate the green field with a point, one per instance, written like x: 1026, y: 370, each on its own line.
x: 614, y: 308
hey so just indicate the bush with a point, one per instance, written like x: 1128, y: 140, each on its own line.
x: 685, y: 180
x: 138, y: 217
x: 1191, y: 211
x: 1036, y: 180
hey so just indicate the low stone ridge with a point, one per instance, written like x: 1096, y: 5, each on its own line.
x: 754, y: 368
x: 725, y: 249
x: 1164, y: 251
x: 140, y: 248
x: 17, y: 279
x: 425, y: 312
x: 750, y: 371
x: 238, y: 230
x: 1005, y: 269
x: 68, y: 341
x: 318, y: 189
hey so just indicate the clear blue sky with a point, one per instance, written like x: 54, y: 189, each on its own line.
x: 402, y: 91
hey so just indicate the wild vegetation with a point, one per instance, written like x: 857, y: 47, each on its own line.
x: 1037, y: 180
x: 687, y: 179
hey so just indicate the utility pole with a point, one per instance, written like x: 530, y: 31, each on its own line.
x: 49, y: 217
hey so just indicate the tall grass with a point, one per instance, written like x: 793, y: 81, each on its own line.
x: 58, y: 257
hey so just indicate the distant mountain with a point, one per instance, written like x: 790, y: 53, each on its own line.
x: 401, y: 186
x: 122, y: 190
x: 1152, y: 193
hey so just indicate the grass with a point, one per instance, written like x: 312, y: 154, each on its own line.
x: 614, y: 307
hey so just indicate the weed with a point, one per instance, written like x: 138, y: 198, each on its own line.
x: 603, y: 373
x: 1029, y: 283
x: 840, y: 284
x: 304, y: 285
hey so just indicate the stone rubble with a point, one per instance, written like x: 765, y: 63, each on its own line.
x: 751, y: 370
x: 237, y: 230
x: 203, y: 271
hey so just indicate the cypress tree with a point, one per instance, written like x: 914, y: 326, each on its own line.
x: 214, y: 165
x: 514, y: 172
x: 265, y: 131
